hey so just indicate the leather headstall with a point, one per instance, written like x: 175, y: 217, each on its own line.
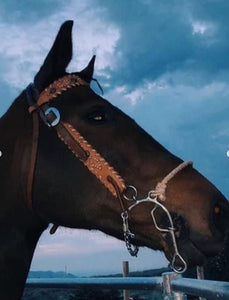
x: 40, y: 110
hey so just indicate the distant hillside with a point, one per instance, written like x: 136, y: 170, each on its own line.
x: 145, y: 273
x: 149, y: 273
x: 50, y: 274
x: 61, y: 274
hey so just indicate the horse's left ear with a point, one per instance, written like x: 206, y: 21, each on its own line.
x: 57, y: 59
x: 87, y: 73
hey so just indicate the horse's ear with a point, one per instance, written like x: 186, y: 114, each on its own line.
x: 57, y: 59
x: 87, y: 73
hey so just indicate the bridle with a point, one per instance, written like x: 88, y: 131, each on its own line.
x: 40, y: 109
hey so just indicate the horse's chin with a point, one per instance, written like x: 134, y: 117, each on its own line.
x: 190, y: 253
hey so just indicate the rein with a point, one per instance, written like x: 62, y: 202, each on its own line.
x: 39, y: 109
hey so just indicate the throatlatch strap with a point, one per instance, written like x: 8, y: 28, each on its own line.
x: 33, y: 158
x: 32, y: 95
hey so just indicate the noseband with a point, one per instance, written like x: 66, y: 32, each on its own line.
x: 39, y: 109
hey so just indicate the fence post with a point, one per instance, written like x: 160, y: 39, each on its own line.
x: 125, y: 273
x: 168, y: 294
x: 200, y: 275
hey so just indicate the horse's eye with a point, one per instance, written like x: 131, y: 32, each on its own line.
x: 97, y: 117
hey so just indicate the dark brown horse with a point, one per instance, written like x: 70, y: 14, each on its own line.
x: 65, y: 191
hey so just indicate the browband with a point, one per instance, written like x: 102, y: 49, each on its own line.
x: 56, y: 88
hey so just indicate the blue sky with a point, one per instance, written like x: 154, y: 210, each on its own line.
x: 165, y: 63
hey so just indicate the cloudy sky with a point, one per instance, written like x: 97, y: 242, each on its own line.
x: 165, y: 63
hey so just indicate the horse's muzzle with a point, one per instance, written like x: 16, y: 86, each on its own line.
x: 220, y: 219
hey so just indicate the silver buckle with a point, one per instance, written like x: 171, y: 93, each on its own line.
x: 55, y: 112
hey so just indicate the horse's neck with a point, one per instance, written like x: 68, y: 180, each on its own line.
x: 18, y: 241
x: 19, y: 228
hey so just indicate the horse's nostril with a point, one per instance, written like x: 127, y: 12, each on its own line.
x: 217, y: 209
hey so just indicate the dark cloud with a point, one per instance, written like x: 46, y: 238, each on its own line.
x: 157, y: 37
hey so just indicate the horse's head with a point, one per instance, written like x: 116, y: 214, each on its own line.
x: 67, y: 192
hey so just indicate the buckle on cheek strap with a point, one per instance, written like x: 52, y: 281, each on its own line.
x: 51, y: 116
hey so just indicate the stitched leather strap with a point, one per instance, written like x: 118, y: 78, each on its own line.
x: 95, y: 163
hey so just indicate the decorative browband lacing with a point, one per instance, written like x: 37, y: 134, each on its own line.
x: 57, y: 88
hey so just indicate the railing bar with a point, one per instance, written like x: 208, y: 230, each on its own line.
x: 203, y: 288
x: 138, y: 283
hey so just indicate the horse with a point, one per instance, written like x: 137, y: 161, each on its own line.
x: 71, y: 158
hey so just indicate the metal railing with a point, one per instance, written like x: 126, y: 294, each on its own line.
x: 174, y: 286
